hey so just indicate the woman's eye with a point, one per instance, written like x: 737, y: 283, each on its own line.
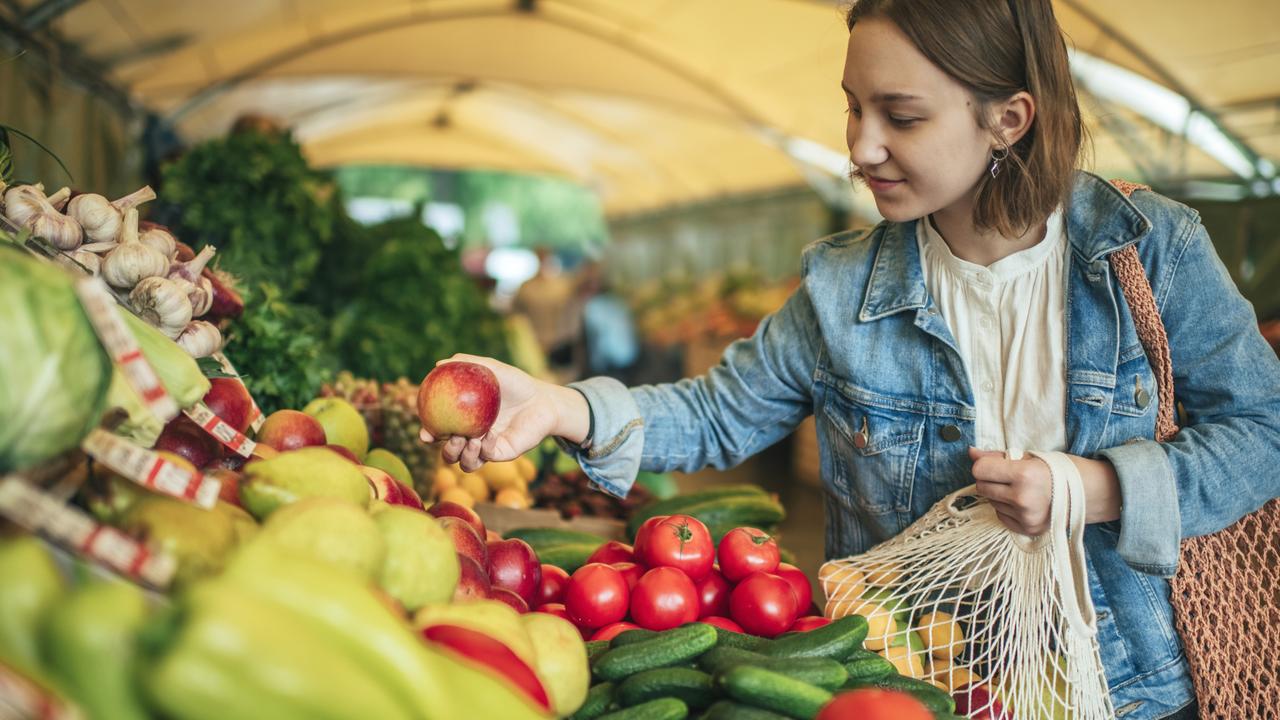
x: 856, y: 112
x: 903, y: 121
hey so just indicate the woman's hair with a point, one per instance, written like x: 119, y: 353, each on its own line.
x: 996, y: 48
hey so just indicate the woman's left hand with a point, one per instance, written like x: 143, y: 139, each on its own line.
x: 1020, y: 491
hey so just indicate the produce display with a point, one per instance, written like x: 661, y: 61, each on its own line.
x: 718, y: 306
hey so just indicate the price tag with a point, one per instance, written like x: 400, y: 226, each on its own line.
x: 218, y: 428
x: 256, y: 418
x: 150, y: 470
x: 72, y: 529
x: 22, y: 697
x: 122, y: 346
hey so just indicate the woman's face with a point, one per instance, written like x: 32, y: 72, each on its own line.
x: 912, y: 133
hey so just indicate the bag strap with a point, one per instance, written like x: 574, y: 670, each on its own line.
x: 1146, y: 319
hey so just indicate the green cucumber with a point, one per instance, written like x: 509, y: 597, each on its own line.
x: 721, y: 516
x: 869, y: 668
x: 742, y: 641
x: 772, y: 691
x: 693, y: 687
x: 629, y: 637
x: 547, y: 537
x: 833, y: 641
x: 821, y: 672
x: 677, y: 504
x: 936, y: 699
x: 660, y: 709
x: 595, y: 648
x: 566, y: 557
x: 599, y: 701
x: 670, y: 647
x: 730, y: 710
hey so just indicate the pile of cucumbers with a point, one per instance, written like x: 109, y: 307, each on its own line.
x: 721, y: 509
x: 699, y: 670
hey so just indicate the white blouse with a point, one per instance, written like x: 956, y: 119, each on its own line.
x: 1009, y: 323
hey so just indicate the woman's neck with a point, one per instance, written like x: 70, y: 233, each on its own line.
x: 981, y: 247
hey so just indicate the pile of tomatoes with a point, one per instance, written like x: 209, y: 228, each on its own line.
x: 671, y: 577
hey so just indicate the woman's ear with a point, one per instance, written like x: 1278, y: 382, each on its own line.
x: 1012, y: 118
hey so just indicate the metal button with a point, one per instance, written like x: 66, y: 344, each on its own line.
x: 1140, y: 394
x: 860, y: 437
x: 950, y: 433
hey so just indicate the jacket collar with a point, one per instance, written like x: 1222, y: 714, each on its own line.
x: 1099, y: 220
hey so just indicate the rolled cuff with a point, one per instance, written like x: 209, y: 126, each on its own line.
x: 611, y: 456
x: 1150, y: 521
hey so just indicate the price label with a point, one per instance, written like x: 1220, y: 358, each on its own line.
x: 22, y: 697
x: 70, y: 528
x: 150, y: 470
x: 217, y: 427
x: 122, y: 346
x: 256, y: 418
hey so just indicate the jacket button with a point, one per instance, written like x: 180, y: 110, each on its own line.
x: 950, y: 433
x: 1142, y: 397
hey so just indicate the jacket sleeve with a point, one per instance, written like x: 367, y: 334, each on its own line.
x: 757, y: 395
x: 1223, y: 463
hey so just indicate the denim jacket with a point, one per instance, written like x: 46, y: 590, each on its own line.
x: 861, y: 346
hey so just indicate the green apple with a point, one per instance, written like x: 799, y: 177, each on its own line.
x: 343, y: 424
x: 421, y: 565
x: 389, y: 463
x: 331, y: 530
x: 561, y: 661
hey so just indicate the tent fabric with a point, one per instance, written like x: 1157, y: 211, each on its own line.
x: 650, y: 103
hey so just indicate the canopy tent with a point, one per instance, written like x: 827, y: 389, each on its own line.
x: 653, y: 103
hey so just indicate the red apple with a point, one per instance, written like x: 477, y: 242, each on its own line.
x: 551, y: 589
x: 514, y: 565
x: 491, y: 536
x: 229, y: 400
x: 459, y: 398
x: 345, y: 453
x: 473, y: 581
x: 465, y: 539
x: 613, y: 552
x: 510, y: 598
x: 449, y: 508
x: 390, y: 490
x: 631, y: 572
x: 230, y: 460
x: 290, y: 430
x: 189, y: 441
x: 229, y: 490
x: 980, y: 700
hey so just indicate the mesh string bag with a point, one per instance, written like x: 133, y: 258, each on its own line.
x: 1226, y: 594
x: 1003, y: 622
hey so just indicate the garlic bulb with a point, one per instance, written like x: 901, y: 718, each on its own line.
x: 199, y: 288
x: 159, y: 237
x: 81, y: 261
x: 101, y: 218
x: 200, y: 339
x: 27, y: 206
x: 163, y: 303
x: 132, y: 261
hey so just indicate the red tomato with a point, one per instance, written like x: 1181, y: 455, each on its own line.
x: 807, y: 623
x: 746, y: 550
x: 596, y: 596
x: 664, y: 598
x: 874, y: 704
x: 681, y: 542
x: 613, y: 552
x: 642, y: 535
x: 763, y: 604
x: 799, y: 583
x: 713, y: 594
x: 631, y: 571
x: 551, y: 588
x: 608, y: 632
x: 722, y: 622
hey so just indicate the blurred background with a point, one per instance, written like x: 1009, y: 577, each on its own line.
x: 579, y: 187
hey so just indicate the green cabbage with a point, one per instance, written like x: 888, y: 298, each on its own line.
x: 54, y: 374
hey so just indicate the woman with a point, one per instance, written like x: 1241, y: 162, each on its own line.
x: 981, y: 315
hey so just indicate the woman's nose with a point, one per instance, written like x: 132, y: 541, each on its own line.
x: 866, y: 147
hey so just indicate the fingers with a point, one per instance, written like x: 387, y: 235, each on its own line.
x: 975, y: 453
x: 470, y: 459
x: 452, y: 449
x: 425, y: 436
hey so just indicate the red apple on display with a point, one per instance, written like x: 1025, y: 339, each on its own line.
x: 491, y: 536
x: 345, y: 453
x: 514, y: 565
x: 229, y: 400
x: 515, y: 601
x: 551, y: 589
x: 449, y: 508
x: 189, y: 441
x: 459, y: 398
x: 229, y: 490
x: 230, y: 461
x: 473, y: 581
x: 289, y: 430
x: 389, y: 490
x: 465, y: 540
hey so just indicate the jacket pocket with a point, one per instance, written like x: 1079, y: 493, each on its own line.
x: 873, y: 449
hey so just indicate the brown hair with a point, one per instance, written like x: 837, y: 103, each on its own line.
x: 996, y: 48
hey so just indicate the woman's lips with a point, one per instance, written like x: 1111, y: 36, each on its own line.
x: 880, y: 185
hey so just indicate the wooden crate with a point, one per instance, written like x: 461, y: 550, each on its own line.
x: 504, y: 519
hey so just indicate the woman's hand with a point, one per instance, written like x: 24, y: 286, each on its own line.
x: 531, y: 410
x: 1021, y: 491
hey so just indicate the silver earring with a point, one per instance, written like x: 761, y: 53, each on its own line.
x: 998, y: 156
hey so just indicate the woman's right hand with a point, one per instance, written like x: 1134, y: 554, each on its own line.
x: 530, y: 411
